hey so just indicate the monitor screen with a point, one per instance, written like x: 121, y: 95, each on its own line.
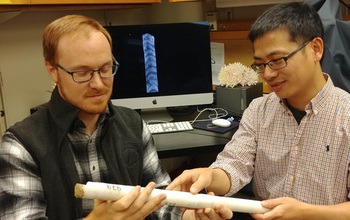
x: 162, y: 65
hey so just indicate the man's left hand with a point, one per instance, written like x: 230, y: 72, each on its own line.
x: 220, y: 212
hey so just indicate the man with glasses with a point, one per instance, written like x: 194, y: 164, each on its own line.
x: 80, y: 136
x: 294, y: 143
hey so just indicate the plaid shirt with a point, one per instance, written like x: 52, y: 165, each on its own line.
x: 309, y: 161
x: 22, y: 196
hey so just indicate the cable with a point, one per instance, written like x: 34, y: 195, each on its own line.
x: 218, y: 113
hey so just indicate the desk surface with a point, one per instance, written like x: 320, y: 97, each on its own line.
x: 194, y: 142
x: 190, y: 142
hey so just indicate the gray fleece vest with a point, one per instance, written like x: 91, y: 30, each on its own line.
x: 44, y: 135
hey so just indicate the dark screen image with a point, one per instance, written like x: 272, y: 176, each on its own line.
x: 182, y: 59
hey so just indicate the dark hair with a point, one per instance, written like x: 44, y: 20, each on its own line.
x: 301, y: 20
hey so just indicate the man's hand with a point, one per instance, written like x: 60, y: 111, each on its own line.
x: 198, y: 179
x: 135, y: 205
x: 283, y: 209
x: 193, y: 181
x: 220, y: 212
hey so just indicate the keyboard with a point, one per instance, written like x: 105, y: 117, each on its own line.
x: 168, y: 127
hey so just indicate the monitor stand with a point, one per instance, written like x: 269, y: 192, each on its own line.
x: 155, y: 115
x: 182, y: 110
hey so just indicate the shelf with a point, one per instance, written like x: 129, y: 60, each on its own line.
x: 174, y: 1
x: 64, y: 7
x: 94, y: 2
x: 238, y: 48
x: 52, y: 5
x: 229, y: 35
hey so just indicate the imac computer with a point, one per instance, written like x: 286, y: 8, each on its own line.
x: 162, y: 65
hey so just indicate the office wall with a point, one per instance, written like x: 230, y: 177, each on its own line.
x: 26, y: 83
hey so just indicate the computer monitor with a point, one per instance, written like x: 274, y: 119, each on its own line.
x: 162, y: 65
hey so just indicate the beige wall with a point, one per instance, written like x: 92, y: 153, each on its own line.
x: 25, y: 80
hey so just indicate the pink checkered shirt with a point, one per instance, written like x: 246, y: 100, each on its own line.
x: 309, y: 162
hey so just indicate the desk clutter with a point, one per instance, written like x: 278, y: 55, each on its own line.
x: 235, y: 100
x: 168, y: 127
x: 218, y: 121
x: 209, y: 126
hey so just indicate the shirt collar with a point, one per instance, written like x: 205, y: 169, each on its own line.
x: 319, y: 101
x: 78, y: 124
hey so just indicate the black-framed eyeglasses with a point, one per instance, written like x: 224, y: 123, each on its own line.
x: 81, y: 76
x: 278, y: 63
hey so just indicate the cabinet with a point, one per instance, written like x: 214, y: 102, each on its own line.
x: 171, y: 1
x: 29, y: 2
x: 92, y: 1
x: 82, y: 2
x: 238, y: 48
x: 240, y: 3
x: 46, y: 5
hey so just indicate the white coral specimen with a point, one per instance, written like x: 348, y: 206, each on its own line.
x: 236, y: 73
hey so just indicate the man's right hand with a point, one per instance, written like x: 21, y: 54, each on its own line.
x: 192, y: 181
x: 195, y: 180
x: 135, y: 205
